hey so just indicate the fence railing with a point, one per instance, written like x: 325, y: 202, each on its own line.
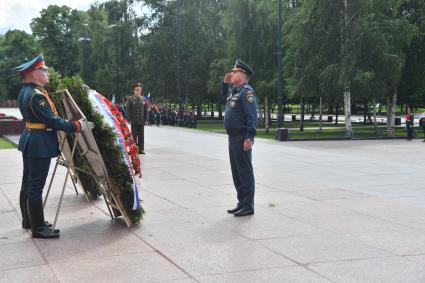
x: 9, y: 103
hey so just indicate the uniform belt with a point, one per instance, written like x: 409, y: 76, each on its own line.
x: 36, y: 126
x: 237, y: 133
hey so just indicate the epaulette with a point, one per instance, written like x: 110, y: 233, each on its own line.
x: 248, y: 87
x: 38, y: 91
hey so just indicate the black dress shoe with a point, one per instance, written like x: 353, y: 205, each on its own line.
x: 234, y: 209
x: 44, y: 232
x: 142, y: 152
x: 27, y: 225
x: 244, y: 212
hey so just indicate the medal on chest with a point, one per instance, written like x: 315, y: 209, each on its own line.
x: 234, y: 99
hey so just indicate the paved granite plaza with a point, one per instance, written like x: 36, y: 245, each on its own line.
x: 334, y: 211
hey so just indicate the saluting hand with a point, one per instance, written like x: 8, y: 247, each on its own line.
x: 227, y: 78
x: 247, y: 145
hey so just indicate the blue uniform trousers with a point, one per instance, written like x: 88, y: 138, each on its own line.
x: 34, y: 178
x: 242, y: 172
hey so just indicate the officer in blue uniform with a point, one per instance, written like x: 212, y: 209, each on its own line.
x: 240, y: 121
x: 38, y: 143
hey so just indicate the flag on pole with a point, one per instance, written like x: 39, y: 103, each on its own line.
x: 148, y: 99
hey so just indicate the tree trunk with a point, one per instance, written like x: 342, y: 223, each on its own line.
x: 393, y: 107
x: 199, y: 111
x: 375, y: 123
x: 347, y: 91
x: 270, y: 115
x: 313, y: 110
x: 266, y: 114
x: 220, y: 111
x: 336, y: 114
x: 365, y: 110
x: 321, y: 114
x: 260, y: 115
x: 302, y: 114
x: 388, y: 113
x: 347, y: 112
x: 212, y: 110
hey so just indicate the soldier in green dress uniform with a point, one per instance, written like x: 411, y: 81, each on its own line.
x: 137, y: 115
x: 38, y: 143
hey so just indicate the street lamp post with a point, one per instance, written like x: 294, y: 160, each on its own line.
x: 113, y: 26
x: 179, y: 66
x: 85, y: 40
x: 280, y: 114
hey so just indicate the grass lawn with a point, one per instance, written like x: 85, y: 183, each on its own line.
x: 399, y: 111
x: 311, y: 131
x: 5, y: 144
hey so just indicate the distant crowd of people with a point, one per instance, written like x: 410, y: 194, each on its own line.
x: 165, y: 115
x: 168, y: 116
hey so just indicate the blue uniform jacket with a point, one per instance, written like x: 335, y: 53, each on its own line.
x: 240, y: 118
x: 35, y: 108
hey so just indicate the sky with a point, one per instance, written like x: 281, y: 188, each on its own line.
x: 17, y: 14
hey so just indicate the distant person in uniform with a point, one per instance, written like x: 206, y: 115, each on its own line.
x: 186, y: 118
x: 192, y: 120
x: 173, y: 115
x: 151, y: 116
x: 240, y: 121
x: 38, y: 143
x: 409, y: 124
x: 157, y: 112
x: 137, y: 116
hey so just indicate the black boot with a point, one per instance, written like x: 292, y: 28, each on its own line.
x: 26, y: 224
x: 38, y: 228
x: 47, y: 224
x: 24, y: 211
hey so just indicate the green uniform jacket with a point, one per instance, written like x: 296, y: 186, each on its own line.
x: 136, y: 110
x: 35, y: 108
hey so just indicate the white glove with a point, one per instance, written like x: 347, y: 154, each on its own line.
x: 86, y: 125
